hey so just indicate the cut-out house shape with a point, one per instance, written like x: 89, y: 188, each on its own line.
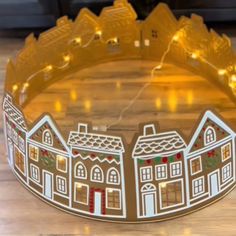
x: 87, y: 174
x: 159, y: 172
x: 210, y: 158
x: 48, y: 162
x: 15, y: 136
x: 98, y: 186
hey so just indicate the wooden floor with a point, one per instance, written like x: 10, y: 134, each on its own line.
x: 174, y: 99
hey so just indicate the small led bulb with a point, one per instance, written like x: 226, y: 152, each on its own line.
x: 26, y: 85
x: 221, y: 72
x: 99, y: 33
x: 48, y: 68
x: 194, y: 55
x: 232, y: 81
x: 77, y: 40
x: 158, y: 67
x: 14, y: 87
x: 66, y: 58
x: 176, y: 37
x: 115, y: 40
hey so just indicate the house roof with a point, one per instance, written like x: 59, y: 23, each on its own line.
x: 15, y: 114
x: 211, y: 116
x: 51, y: 123
x: 95, y: 141
x: 158, y: 144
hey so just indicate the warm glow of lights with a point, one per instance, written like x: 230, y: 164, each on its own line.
x: 176, y: 37
x: 99, y: 32
x: 61, y: 159
x: 158, y: 67
x: 189, y: 97
x: 187, y: 232
x: 26, y: 85
x: 232, y: 81
x: 158, y: 103
x: 58, y: 106
x: 87, y: 105
x: 172, y: 101
x: 118, y: 85
x: 14, y: 87
x: 78, y: 185
x: 73, y: 95
x: 77, y: 40
x: 221, y: 72
x: 115, y: 40
x: 86, y: 230
x: 194, y: 55
x: 48, y: 68
x: 163, y: 185
x: 66, y: 58
x: 110, y: 190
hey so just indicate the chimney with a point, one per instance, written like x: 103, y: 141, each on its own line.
x: 82, y: 128
x: 149, y: 129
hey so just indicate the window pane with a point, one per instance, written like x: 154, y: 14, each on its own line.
x: 19, y: 160
x: 171, y: 194
x: 196, y: 165
x: 33, y: 152
x: 81, y: 193
x: 113, y: 199
x: 61, y: 163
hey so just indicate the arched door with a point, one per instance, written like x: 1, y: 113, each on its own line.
x: 148, y: 192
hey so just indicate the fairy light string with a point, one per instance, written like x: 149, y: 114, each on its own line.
x: 193, y: 55
x: 98, y: 35
x: 66, y: 59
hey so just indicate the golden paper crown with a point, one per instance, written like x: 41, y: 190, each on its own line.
x: 95, y: 175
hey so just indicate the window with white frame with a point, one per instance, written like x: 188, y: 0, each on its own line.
x: 198, y: 186
x: 33, y: 152
x: 34, y: 170
x: 146, y: 174
x: 81, y: 193
x: 113, y: 198
x: 97, y: 174
x: 196, y: 165
x: 21, y: 143
x: 113, y: 176
x: 171, y: 193
x: 61, y: 163
x: 176, y: 169
x: 15, y: 136
x: 80, y: 171
x: 9, y: 130
x: 226, y: 172
x: 61, y: 184
x: 209, y: 135
x: 226, y: 152
x: 161, y: 171
x: 47, y: 137
x: 19, y: 160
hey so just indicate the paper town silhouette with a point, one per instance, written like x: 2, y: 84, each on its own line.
x: 91, y: 175
x: 159, y: 176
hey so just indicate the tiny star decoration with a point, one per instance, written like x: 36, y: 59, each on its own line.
x: 159, y: 175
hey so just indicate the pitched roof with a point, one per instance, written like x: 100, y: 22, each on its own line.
x: 211, y: 116
x: 95, y: 141
x: 51, y: 123
x: 15, y: 114
x: 158, y: 144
